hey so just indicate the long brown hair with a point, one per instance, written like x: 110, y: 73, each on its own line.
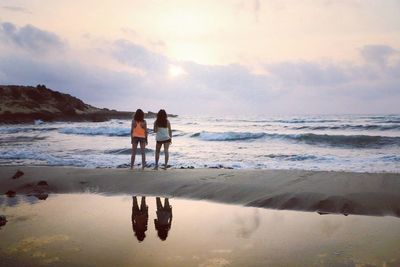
x: 162, y: 119
x: 139, y: 115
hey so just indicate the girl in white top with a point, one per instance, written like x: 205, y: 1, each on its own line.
x: 163, y: 131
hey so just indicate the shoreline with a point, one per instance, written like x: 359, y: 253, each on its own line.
x: 376, y: 194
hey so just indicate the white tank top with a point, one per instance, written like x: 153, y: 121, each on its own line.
x: 162, y: 134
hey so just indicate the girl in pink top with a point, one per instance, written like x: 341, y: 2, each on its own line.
x: 138, y: 135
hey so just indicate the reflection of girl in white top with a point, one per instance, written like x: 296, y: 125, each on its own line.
x: 163, y: 131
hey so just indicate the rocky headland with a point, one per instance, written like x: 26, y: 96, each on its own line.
x: 25, y: 104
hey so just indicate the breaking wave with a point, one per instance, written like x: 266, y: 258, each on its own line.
x: 292, y: 157
x: 107, y: 131
x: 350, y: 127
x: 11, y: 130
x: 357, y: 141
x: 126, y: 151
x: 228, y: 136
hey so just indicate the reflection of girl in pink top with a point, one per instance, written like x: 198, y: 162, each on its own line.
x: 140, y: 217
x: 138, y: 135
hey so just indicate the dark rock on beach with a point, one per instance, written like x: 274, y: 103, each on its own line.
x: 3, y: 220
x: 18, y: 174
x: 123, y: 166
x: 219, y: 166
x: 41, y: 195
x: 10, y: 193
x: 25, y: 104
x: 42, y: 183
x: 40, y: 190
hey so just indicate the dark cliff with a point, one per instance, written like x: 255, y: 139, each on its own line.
x: 24, y: 104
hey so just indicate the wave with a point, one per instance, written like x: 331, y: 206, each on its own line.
x: 356, y: 141
x: 349, y: 127
x: 391, y: 158
x: 292, y: 157
x: 11, y: 130
x: 80, y: 158
x: 107, y: 131
x: 391, y: 121
x: 305, y: 121
x: 126, y: 151
x: 228, y: 136
x: 20, y: 139
x: 46, y: 158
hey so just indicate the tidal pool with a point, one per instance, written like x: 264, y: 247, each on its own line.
x: 98, y: 230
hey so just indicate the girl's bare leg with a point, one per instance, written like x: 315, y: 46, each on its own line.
x: 166, y: 204
x: 166, y: 153
x: 159, y: 205
x: 142, y: 150
x: 133, y: 155
x: 158, y: 148
x: 135, y: 206
x: 143, y: 205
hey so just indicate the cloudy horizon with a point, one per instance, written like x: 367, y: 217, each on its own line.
x: 231, y: 57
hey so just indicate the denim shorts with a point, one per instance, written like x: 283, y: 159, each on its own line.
x: 136, y: 140
x: 164, y: 142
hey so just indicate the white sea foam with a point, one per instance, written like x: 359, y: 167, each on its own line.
x: 350, y: 143
x: 228, y: 136
x: 360, y: 141
x: 102, y: 130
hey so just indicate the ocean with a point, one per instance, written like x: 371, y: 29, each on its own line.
x: 357, y: 143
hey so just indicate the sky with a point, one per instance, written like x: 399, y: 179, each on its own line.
x: 236, y: 57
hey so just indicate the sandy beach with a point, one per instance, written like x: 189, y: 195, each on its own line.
x: 324, y: 192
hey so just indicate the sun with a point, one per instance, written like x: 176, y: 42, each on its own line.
x: 175, y: 71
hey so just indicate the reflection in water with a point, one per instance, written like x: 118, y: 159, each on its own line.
x: 248, y: 225
x: 31, y: 198
x: 140, y: 217
x: 12, y: 201
x: 70, y: 230
x: 10, y: 193
x: 3, y: 220
x: 164, y: 218
x: 40, y: 195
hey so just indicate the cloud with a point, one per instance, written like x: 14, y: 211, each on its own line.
x: 16, y: 9
x: 286, y: 88
x: 253, y: 8
x: 92, y: 84
x: 290, y: 87
x: 138, y: 56
x: 307, y: 73
x: 256, y: 9
x: 30, y: 37
x: 377, y: 54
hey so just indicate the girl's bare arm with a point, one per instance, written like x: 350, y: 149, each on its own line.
x: 155, y: 127
x: 145, y: 130
x: 169, y: 130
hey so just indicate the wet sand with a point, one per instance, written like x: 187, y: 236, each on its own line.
x: 324, y: 192
x: 96, y: 230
